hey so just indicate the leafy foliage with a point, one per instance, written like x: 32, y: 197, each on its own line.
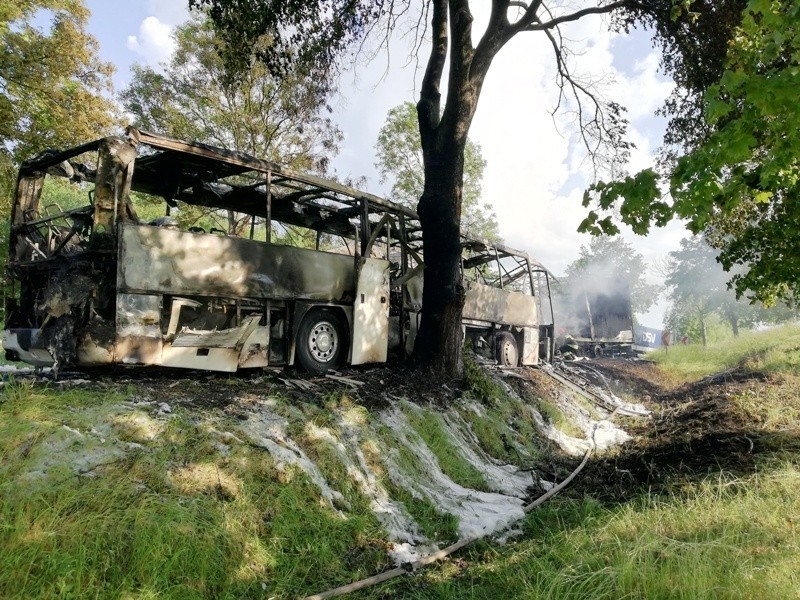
x: 52, y: 84
x: 699, y: 288
x: 693, y: 36
x: 283, y: 34
x: 740, y: 183
x: 400, y: 159
x: 279, y: 119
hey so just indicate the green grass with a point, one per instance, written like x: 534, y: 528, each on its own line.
x: 430, y: 427
x: 724, y: 539
x: 556, y: 417
x: 770, y: 351
x: 176, y: 518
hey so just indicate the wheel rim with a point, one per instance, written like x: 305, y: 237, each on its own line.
x: 509, y: 353
x: 323, y: 341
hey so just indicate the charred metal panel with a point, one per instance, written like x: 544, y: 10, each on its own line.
x: 530, y: 346
x: 91, y: 352
x: 255, y: 350
x: 210, y: 359
x: 225, y: 338
x: 139, y: 315
x: 112, y: 183
x: 165, y: 261
x: 27, y: 345
x: 136, y: 350
x: 371, y: 313
x: 487, y: 303
x: 29, y: 191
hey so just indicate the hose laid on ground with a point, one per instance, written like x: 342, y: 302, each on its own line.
x: 445, y: 552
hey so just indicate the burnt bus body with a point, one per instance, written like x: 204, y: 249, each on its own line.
x: 97, y: 285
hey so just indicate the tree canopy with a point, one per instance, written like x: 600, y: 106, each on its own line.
x: 399, y: 153
x: 283, y: 120
x: 698, y: 288
x: 52, y: 84
x: 739, y: 182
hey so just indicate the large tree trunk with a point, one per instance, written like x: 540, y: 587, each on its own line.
x: 440, y: 340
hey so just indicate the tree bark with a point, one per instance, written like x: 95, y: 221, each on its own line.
x: 734, y: 321
x: 440, y: 340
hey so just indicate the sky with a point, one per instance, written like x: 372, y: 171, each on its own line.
x: 536, y: 171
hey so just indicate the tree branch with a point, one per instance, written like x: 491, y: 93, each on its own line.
x: 429, y: 105
x: 592, y: 10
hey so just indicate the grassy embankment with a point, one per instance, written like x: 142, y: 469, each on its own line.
x: 720, y: 537
x: 97, y: 501
x: 104, y: 495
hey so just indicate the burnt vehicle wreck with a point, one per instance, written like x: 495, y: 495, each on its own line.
x: 597, y: 319
x: 98, y: 284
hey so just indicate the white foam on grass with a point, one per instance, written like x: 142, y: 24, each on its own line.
x: 503, y: 478
x: 479, y: 513
x: 268, y: 430
x: 394, y: 517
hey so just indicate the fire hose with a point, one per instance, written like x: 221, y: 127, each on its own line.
x: 445, y: 552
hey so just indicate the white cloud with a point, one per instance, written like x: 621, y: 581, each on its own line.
x: 154, y: 42
x: 171, y: 12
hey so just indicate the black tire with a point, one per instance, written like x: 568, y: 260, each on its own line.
x: 322, y: 340
x: 505, y: 349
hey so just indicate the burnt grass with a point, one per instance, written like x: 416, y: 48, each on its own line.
x: 696, y: 430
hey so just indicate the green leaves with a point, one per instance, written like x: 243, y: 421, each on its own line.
x: 283, y: 120
x: 739, y: 182
x: 639, y: 207
x: 399, y: 154
x: 52, y: 84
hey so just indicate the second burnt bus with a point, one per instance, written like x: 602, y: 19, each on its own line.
x: 283, y: 268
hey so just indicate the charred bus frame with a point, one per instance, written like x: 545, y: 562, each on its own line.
x: 94, y: 285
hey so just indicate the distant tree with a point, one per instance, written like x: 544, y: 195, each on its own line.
x: 612, y: 262
x: 283, y: 120
x: 698, y: 288
x: 400, y: 160
x: 739, y: 181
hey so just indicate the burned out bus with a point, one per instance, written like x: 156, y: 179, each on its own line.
x: 278, y: 268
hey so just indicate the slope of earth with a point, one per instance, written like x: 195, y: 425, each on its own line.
x: 177, y: 485
x: 701, y: 502
x: 720, y: 425
x: 168, y: 484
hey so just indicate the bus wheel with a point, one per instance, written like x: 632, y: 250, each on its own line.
x: 321, y: 341
x: 505, y: 349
